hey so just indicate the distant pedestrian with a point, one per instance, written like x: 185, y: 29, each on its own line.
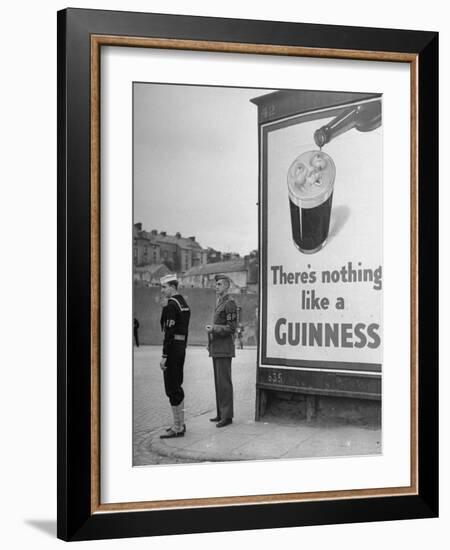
x: 175, y: 321
x: 136, y: 331
x: 221, y: 349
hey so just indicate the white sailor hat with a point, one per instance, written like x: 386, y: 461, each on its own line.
x: 170, y: 278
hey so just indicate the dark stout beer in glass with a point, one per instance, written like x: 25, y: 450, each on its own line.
x: 310, y: 185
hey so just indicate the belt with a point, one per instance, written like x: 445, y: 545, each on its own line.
x: 181, y: 337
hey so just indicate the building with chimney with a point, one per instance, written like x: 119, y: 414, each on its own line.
x: 176, y: 252
x: 145, y: 249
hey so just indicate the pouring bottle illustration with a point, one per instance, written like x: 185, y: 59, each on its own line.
x: 312, y: 174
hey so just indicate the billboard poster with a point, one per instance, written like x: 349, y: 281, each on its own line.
x: 321, y: 238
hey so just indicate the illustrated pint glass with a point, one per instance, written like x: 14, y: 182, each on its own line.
x: 310, y: 186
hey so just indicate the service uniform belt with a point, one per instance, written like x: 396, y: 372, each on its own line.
x: 180, y: 337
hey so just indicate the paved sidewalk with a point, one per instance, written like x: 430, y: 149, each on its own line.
x: 249, y: 440
x: 245, y: 439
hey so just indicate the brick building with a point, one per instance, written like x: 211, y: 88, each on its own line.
x: 145, y: 249
x: 178, y: 253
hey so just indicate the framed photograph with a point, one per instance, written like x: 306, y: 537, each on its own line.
x: 247, y: 286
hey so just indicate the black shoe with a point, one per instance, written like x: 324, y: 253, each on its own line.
x: 170, y: 434
x: 184, y: 429
x: 224, y: 422
x: 215, y: 419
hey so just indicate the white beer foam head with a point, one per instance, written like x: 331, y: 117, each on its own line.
x: 311, y: 178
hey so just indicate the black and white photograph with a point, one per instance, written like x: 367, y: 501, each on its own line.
x: 257, y: 274
x: 226, y: 260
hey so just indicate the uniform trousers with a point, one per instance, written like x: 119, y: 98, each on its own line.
x: 173, y: 375
x: 224, y: 387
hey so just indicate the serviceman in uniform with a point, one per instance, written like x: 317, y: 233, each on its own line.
x: 175, y: 321
x: 136, y: 331
x: 221, y: 349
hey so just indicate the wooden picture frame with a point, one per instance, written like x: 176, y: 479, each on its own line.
x: 81, y: 36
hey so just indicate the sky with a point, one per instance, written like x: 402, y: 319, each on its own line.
x: 196, y: 163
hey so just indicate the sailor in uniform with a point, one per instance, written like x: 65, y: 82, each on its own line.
x: 175, y: 324
x: 221, y: 349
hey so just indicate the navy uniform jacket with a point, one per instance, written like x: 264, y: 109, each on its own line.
x: 221, y: 339
x: 175, y: 323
